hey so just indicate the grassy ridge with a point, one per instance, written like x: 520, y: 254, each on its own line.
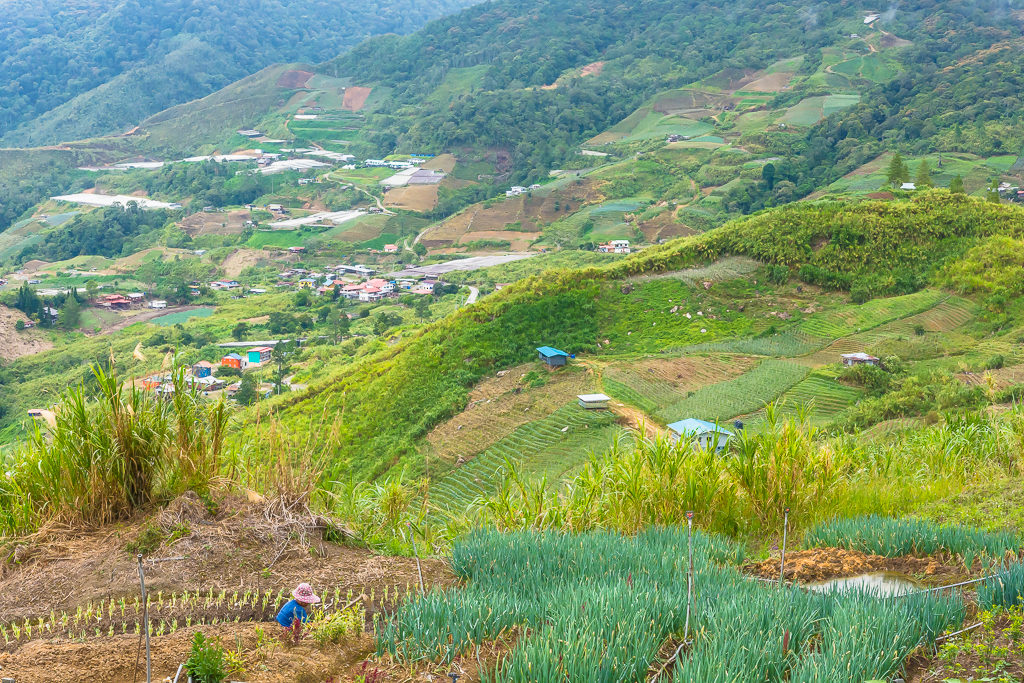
x: 380, y: 407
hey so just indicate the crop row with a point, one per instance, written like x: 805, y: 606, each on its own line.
x: 168, y: 613
x: 745, y: 394
x: 478, y: 477
x: 601, y: 606
x: 899, y: 537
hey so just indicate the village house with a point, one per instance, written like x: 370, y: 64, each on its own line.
x: 306, y: 283
x: 553, y: 357
x: 221, y: 285
x: 515, y: 191
x: 136, y: 298
x: 390, y: 248
x: 205, y: 384
x: 369, y: 293
x: 700, y: 433
x: 258, y: 355
x: 859, y: 358
x: 296, y: 250
x: 203, y: 368
x: 375, y: 163
x: 233, y: 360
x: 614, y: 247
x: 593, y: 401
x: 115, y: 302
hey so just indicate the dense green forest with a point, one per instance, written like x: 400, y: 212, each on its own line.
x: 112, y: 231
x: 124, y: 60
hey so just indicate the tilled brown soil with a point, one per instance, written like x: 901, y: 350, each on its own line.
x: 820, y: 564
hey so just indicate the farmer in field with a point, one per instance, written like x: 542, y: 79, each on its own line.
x: 295, y: 612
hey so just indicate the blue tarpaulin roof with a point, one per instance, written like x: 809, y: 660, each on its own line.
x: 694, y: 427
x: 549, y: 351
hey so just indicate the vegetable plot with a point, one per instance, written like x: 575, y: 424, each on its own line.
x: 600, y: 606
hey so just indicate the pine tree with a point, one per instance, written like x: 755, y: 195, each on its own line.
x: 956, y: 185
x: 924, y: 174
x: 898, y: 172
x: 71, y: 315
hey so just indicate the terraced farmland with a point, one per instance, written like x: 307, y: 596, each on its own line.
x: 497, y: 406
x: 742, y: 395
x: 786, y: 344
x: 819, y: 394
x: 550, y: 447
x: 655, y: 384
x: 854, y: 318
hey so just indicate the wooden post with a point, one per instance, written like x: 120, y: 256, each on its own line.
x: 145, y: 619
x: 782, y: 563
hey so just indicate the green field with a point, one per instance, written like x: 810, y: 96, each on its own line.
x: 183, y: 316
x: 542, y: 447
x: 745, y: 394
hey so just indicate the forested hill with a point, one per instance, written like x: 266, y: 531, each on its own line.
x: 124, y: 60
x: 497, y: 63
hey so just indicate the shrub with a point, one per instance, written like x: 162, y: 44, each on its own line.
x: 205, y: 663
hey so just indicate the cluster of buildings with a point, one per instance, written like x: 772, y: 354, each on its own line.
x: 252, y: 358
x: 124, y: 302
x: 517, y: 190
x: 614, y: 247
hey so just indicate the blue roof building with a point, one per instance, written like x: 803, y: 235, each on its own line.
x: 701, y: 433
x: 552, y: 356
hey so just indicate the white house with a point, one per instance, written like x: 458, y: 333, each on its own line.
x: 158, y: 304
x: 700, y: 433
x: 908, y: 186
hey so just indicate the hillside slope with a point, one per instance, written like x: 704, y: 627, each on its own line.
x: 79, y: 68
x: 373, y: 413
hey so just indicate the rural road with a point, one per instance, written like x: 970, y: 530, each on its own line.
x: 474, y: 294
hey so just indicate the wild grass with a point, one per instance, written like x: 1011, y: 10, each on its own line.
x: 100, y: 459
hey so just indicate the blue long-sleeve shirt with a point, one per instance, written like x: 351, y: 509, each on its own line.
x: 290, y: 613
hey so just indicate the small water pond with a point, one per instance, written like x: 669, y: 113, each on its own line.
x: 878, y: 583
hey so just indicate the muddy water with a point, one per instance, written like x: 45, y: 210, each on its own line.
x: 877, y: 583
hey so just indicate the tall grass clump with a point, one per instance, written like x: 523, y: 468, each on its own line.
x: 893, y: 537
x: 643, y: 481
x: 102, y: 458
x: 600, y: 606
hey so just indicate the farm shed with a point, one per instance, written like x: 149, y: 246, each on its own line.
x: 260, y: 354
x: 700, y: 432
x: 859, y: 358
x: 553, y: 357
x: 593, y: 401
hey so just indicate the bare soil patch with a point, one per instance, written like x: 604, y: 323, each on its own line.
x: 592, y: 69
x: 442, y: 162
x: 820, y: 564
x: 243, y: 546
x: 774, y: 82
x: 293, y: 80
x: 234, y: 264
x: 113, y: 659
x: 15, y: 344
x: 33, y: 266
x: 355, y: 98
x: 201, y: 223
x: 412, y: 197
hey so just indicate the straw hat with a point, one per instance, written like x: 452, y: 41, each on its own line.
x: 304, y: 593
